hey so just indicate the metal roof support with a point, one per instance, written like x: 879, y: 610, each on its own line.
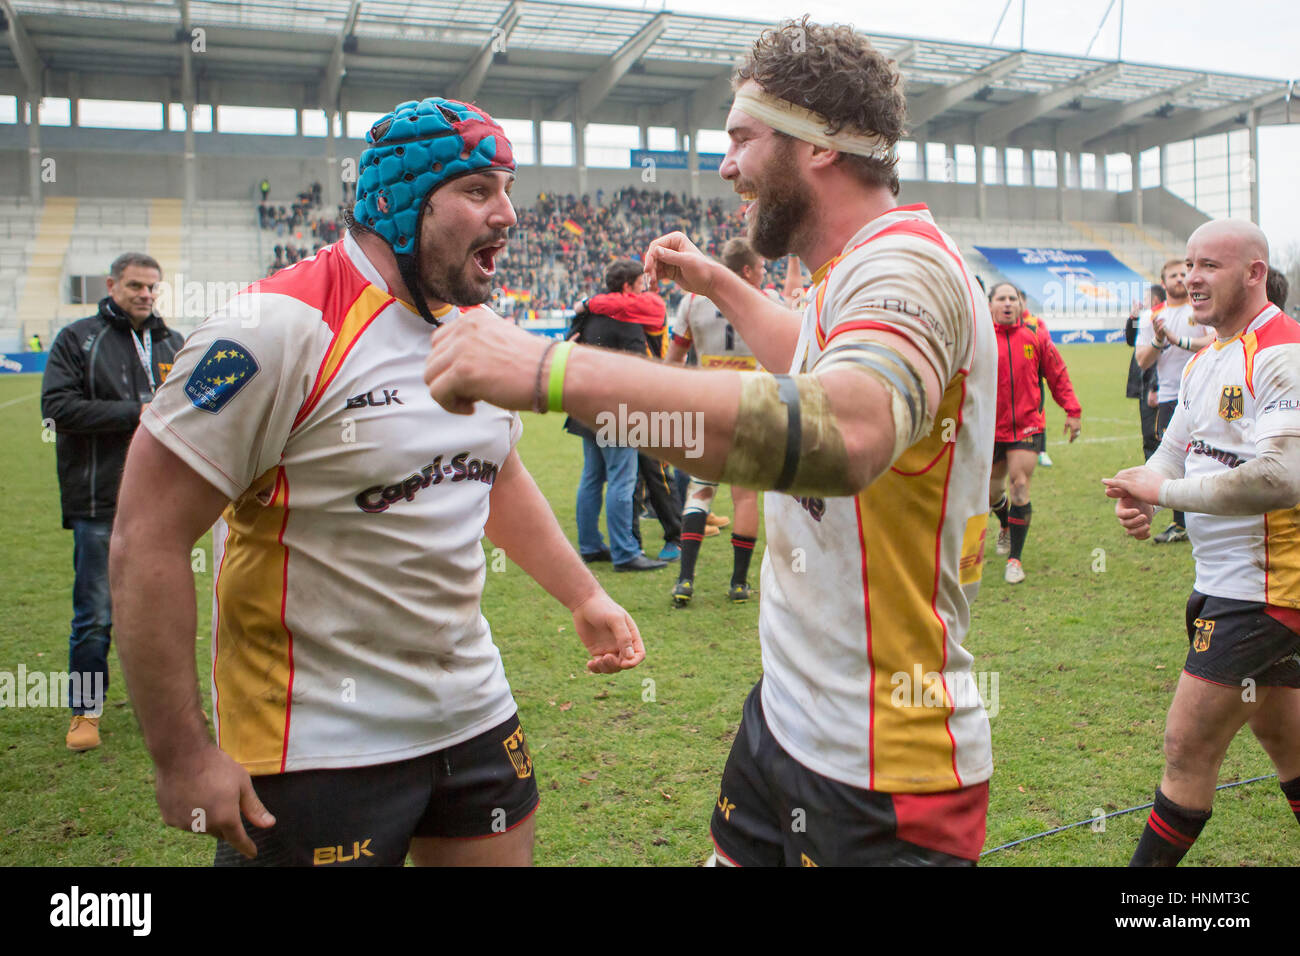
x: 1135, y: 179
x: 29, y: 61
x: 332, y: 80
x: 1179, y: 128
x: 997, y: 123
x: 933, y: 102
x: 580, y: 150
x: 709, y: 103
x: 189, y: 174
x: 593, y: 90
x: 1102, y: 121
x: 1252, y: 169
x: 33, y: 148
x: 535, y: 114
x: 1060, y: 178
x: 904, y: 53
x: 471, y: 81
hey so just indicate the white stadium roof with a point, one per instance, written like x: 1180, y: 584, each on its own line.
x: 601, y: 63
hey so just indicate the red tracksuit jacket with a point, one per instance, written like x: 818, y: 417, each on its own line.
x: 1026, y: 355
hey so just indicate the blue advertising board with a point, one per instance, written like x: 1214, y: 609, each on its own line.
x: 1086, y: 336
x: 1079, y: 281
x: 672, y: 159
x: 13, y: 363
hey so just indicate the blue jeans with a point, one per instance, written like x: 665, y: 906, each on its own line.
x: 92, y: 612
x: 615, y: 468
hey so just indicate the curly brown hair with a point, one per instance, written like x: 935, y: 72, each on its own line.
x: 836, y: 72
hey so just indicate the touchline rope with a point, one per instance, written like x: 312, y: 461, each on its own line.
x: 1117, y: 813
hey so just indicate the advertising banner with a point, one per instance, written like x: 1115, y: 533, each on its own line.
x: 1073, y: 281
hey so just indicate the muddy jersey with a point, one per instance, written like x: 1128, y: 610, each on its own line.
x: 699, y: 323
x: 866, y: 599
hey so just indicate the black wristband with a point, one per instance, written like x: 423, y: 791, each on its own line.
x: 788, y: 391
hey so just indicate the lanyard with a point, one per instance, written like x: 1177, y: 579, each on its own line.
x: 145, y: 353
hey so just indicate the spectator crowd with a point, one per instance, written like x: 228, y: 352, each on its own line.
x: 302, y: 219
x: 560, y: 248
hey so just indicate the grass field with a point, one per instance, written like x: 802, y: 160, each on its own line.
x: 1087, y: 652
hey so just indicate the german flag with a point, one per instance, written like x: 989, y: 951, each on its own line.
x: 573, y: 227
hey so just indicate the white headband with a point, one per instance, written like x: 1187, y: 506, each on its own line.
x: 810, y: 127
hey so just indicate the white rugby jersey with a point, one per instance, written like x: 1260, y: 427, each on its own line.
x: 1235, y: 393
x: 346, y: 627
x: 1171, y: 360
x: 866, y: 599
x: 698, y: 322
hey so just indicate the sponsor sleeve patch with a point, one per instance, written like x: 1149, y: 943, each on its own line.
x: 225, y: 368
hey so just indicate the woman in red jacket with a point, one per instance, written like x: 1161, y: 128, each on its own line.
x: 1025, y: 356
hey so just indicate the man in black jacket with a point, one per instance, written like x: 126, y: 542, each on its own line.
x: 605, y: 463
x: 101, y: 372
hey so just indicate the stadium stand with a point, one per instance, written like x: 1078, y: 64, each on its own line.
x: 1059, y: 150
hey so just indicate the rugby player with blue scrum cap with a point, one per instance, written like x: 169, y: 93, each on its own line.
x: 360, y: 706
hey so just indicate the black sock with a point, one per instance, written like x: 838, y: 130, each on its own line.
x: 744, y: 550
x: 1180, y: 519
x: 692, y: 536
x: 1018, y: 517
x: 1000, y: 509
x: 1291, y: 789
x: 1169, y: 834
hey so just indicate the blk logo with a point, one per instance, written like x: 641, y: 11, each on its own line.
x: 368, y: 399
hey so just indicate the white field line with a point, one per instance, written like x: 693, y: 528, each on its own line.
x: 20, y: 398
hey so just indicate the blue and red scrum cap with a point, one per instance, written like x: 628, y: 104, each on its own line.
x: 415, y: 149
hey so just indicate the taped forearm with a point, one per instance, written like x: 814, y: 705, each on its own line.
x: 1267, y: 483
x: 787, y: 436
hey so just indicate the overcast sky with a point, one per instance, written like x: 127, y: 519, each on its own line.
x: 1253, y: 37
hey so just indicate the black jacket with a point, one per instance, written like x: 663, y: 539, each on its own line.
x: 93, y: 390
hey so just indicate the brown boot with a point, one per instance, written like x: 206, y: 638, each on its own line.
x: 84, y: 733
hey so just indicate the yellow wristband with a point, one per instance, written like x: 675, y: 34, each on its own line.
x: 555, y: 391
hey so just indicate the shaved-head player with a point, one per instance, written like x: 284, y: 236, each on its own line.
x: 1230, y: 459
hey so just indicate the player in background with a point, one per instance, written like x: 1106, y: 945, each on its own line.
x: 1278, y: 287
x: 353, y: 674
x: 875, y: 440
x: 1142, y: 383
x: 793, y: 292
x: 1230, y: 459
x: 698, y: 322
x: 1167, y: 340
x: 1025, y: 352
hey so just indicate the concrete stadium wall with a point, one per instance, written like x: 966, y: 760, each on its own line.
x: 97, y: 163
